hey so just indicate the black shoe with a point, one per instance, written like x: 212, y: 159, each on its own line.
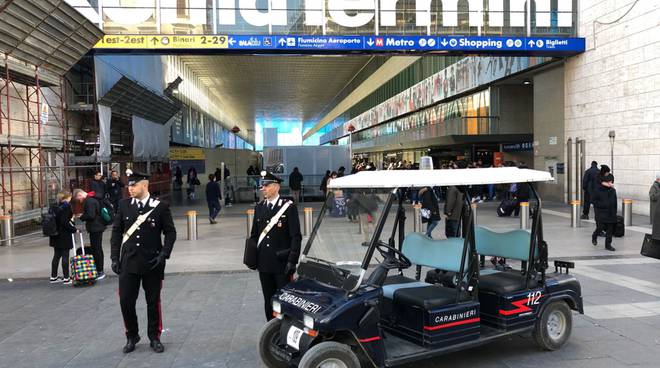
x: 594, y: 241
x: 610, y: 248
x: 157, y: 346
x: 584, y: 217
x: 130, y: 344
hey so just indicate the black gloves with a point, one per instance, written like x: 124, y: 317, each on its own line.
x: 116, y: 268
x: 158, y: 261
x: 290, y: 269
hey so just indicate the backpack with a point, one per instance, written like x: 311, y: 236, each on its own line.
x: 49, y: 221
x: 107, y: 211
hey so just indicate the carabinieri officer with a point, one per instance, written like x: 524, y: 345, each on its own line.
x: 278, y: 252
x: 138, y: 256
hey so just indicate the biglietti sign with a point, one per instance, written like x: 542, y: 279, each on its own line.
x: 352, y: 16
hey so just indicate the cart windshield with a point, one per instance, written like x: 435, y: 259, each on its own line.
x: 345, y: 229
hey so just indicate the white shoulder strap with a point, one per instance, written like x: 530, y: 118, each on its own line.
x: 273, y: 221
x: 136, y: 224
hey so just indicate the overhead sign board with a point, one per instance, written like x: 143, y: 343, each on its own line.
x: 288, y: 43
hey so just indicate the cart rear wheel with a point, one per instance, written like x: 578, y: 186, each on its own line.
x: 268, y: 336
x: 553, y: 329
x: 329, y: 354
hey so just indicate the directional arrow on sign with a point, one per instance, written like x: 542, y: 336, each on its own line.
x: 282, y: 42
x: 444, y: 42
x: 370, y: 42
x: 531, y: 43
x: 231, y: 41
x: 154, y: 41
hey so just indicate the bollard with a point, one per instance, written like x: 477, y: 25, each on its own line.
x: 307, y: 221
x: 6, y: 230
x: 524, y: 215
x: 417, y: 218
x: 192, y: 225
x: 627, y: 212
x: 474, y: 213
x: 250, y: 220
x: 575, y: 214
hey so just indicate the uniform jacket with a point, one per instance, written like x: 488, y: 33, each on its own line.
x: 65, y: 227
x: 429, y: 202
x: 454, y: 203
x: 145, y: 243
x: 590, y: 179
x: 605, y: 204
x: 92, y: 215
x: 282, y: 244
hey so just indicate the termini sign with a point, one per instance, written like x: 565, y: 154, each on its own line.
x: 353, y: 14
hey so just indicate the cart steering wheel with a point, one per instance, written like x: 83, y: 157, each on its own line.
x: 390, y: 261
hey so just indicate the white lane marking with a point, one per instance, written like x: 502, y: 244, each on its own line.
x: 643, y: 286
x: 615, y: 261
x: 628, y: 310
x: 638, y: 229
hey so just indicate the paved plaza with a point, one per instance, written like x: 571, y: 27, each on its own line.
x: 213, y: 308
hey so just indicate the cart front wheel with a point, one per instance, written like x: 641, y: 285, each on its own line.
x: 553, y: 329
x: 330, y: 354
x: 268, y: 338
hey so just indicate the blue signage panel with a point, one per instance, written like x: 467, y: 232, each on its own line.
x: 455, y: 44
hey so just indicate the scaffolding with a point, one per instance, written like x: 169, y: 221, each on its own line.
x: 33, y: 136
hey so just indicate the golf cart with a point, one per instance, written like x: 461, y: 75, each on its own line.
x: 356, y: 305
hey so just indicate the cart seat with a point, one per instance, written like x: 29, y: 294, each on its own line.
x: 511, y: 245
x: 502, y: 282
x: 427, y: 297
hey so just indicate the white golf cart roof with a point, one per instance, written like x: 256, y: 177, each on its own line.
x: 422, y: 178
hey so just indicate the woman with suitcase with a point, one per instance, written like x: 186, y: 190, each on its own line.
x: 62, y: 242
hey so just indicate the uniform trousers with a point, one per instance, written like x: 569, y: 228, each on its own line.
x: 270, y: 283
x: 129, y: 288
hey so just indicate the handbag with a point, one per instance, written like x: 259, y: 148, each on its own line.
x: 650, y: 247
x: 251, y: 246
x: 426, y: 213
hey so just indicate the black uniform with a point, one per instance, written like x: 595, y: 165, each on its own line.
x: 140, y: 249
x: 280, y: 247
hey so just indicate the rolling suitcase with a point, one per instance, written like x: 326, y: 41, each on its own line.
x: 506, y: 208
x: 83, y: 268
x: 619, y: 227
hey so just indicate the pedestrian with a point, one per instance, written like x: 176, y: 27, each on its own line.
x: 94, y: 225
x: 178, y: 178
x: 213, y: 198
x: 62, y: 242
x: 655, y: 214
x: 341, y: 171
x: 192, y: 180
x: 605, y: 205
x: 98, y: 185
x: 654, y: 197
x: 589, y: 184
x: 276, y: 231
x: 139, y: 254
x: 114, y: 188
x: 430, y: 209
x: 229, y: 188
x: 604, y: 170
x: 454, y: 205
x: 295, y: 183
x: 324, y: 183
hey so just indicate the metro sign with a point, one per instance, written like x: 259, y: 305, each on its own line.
x: 319, y: 12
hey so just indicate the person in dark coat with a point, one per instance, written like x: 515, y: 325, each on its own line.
x: 98, y: 185
x: 114, y: 188
x: 143, y: 237
x: 279, y: 249
x: 295, y: 183
x: 454, y: 205
x: 192, y: 180
x: 589, y: 181
x: 213, y: 198
x: 91, y: 216
x: 430, y: 209
x: 178, y: 178
x: 62, y: 242
x: 655, y: 208
x: 605, y: 206
x: 324, y: 183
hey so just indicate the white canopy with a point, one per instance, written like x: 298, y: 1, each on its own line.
x: 422, y: 178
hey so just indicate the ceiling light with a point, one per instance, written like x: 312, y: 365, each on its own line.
x: 527, y: 82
